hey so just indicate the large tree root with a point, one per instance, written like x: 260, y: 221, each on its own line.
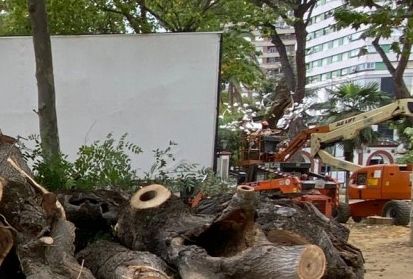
x: 109, y: 260
x: 231, y: 245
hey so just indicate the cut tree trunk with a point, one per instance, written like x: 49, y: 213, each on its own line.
x: 92, y: 212
x: 287, y: 222
x: 230, y: 245
x: 109, y: 260
x: 43, y: 244
x: 303, y: 219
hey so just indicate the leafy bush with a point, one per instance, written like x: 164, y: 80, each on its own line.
x: 100, y: 164
x: 186, y: 178
x: 54, y: 174
x: 408, y: 157
x: 106, y: 163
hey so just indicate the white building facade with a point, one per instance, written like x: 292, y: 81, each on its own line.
x: 269, y: 58
x: 336, y: 56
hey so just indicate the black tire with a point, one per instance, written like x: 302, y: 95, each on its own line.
x: 357, y: 219
x: 399, y: 211
x: 342, y: 213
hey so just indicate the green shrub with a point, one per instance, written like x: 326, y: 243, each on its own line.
x: 408, y: 157
x: 100, y: 164
x: 106, y: 163
x: 186, y: 178
x: 55, y: 174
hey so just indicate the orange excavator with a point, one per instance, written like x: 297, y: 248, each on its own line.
x: 372, y: 190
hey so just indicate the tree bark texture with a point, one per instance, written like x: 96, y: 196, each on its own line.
x: 286, y: 66
x: 92, y: 212
x: 286, y: 222
x: 303, y: 219
x: 110, y: 260
x: 281, y: 101
x: 43, y: 239
x: 229, y: 245
x: 45, y: 80
x: 301, y: 38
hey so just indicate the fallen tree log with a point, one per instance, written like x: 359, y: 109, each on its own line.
x: 287, y: 222
x: 230, y: 245
x: 92, y: 212
x: 286, y: 216
x: 43, y: 243
x: 109, y: 260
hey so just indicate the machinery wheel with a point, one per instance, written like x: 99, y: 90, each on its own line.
x: 357, y: 219
x: 399, y: 211
x: 342, y: 213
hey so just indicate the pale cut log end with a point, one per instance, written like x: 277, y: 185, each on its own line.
x: 3, y: 183
x: 312, y: 263
x: 47, y: 240
x: 146, y: 272
x: 246, y: 192
x: 150, y: 197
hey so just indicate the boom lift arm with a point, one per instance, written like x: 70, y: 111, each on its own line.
x: 348, y: 128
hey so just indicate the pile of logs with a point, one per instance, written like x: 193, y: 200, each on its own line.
x: 154, y: 234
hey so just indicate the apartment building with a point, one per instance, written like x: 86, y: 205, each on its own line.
x: 338, y: 56
x: 268, y: 58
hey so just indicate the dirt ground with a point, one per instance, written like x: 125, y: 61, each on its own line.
x: 385, y: 249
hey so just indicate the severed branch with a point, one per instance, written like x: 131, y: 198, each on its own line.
x: 50, y: 203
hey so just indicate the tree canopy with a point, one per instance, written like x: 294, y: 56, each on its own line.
x: 64, y: 17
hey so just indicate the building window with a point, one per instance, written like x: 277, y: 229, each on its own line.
x: 290, y: 48
x: 385, y: 132
x: 272, y: 60
x: 335, y: 74
x: 337, y: 58
x: 272, y: 49
x: 361, y: 179
x: 354, y: 52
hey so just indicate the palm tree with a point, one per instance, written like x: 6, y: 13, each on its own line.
x: 351, y: 99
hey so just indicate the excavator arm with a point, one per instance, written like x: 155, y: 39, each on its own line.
x: 345, y: 129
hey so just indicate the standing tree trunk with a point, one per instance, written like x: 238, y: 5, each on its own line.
x: 286, y: 66
x: 301, y: 37
x: 45, y: 80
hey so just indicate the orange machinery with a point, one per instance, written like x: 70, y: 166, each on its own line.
x: 373, y: 190
x: 380, y: 190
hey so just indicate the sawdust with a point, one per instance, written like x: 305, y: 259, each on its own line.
x: 385, y: 249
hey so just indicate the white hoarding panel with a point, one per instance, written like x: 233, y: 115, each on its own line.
x: 157, y: 88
